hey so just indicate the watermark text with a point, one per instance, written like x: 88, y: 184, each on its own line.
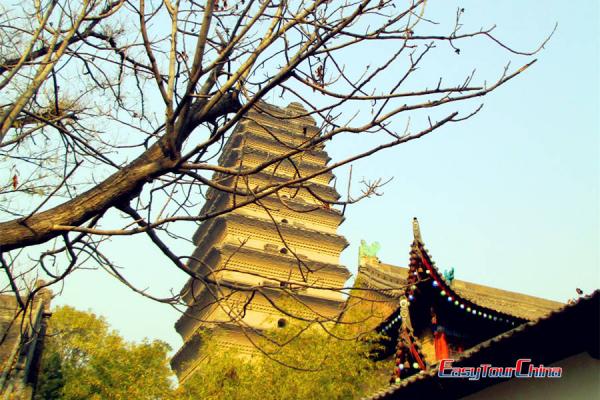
x: 523, y: 368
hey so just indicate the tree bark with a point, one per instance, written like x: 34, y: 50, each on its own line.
x: 120, y: 187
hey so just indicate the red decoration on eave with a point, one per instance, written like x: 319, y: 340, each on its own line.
x: 441, y: 345
x: 417, y: 357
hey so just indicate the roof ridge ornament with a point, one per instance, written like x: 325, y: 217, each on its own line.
x: 449, y: 275
x: 417, y: 230
x: 368, y: 251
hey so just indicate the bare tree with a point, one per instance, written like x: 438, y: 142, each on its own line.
x: 123, y: 105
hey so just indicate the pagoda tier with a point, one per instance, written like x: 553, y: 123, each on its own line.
x: 246, y: 159
x: 229, y: 337
x: 267, y: 267
x: 294, y: 211
x: 273, y: 117
x: 258, y: 233
x: 264, y: 259
x: 263, y: 141
x: 307, y: 192
x: 218, y: 304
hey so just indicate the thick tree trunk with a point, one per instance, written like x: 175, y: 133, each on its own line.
x: 118, y: 188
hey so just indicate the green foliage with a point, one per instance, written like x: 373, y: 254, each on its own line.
x: 314, y: 365
x: 84, y: 359
x: 97, y: 363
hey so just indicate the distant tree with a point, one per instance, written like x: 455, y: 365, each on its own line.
x: 84, y: 359
x: 314, y: 365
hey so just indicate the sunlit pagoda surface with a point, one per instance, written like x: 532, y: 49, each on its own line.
x: 283, y: 243
x: 428, y: 316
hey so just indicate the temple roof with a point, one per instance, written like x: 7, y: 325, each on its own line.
x: 468, y: 313
x: 386, y: 276
x: 446, y: 288
x: 571, y: 330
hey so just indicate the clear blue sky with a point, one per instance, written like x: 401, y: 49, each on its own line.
x: 509, y: 198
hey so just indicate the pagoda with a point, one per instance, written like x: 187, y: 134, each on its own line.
x: 272, y: 257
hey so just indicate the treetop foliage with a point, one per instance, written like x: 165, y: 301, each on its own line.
x: 85, y: 359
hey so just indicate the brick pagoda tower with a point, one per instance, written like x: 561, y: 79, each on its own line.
x: 288, y: 241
